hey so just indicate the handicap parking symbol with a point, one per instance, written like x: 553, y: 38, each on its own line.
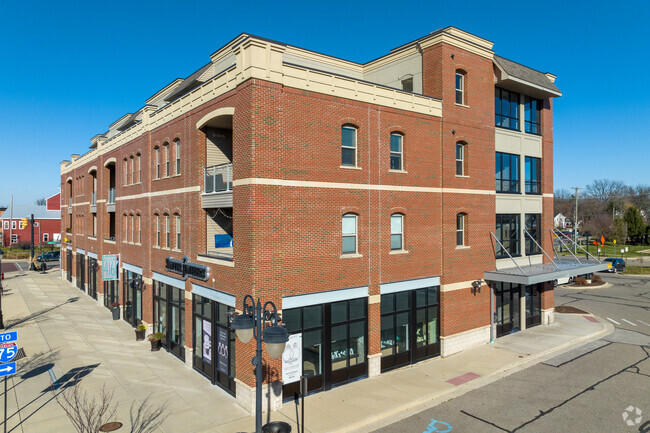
x: 437, y: 427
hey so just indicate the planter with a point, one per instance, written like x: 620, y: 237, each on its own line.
x: 116, y: 313
x: 155, y: 345
x: 139, y: 335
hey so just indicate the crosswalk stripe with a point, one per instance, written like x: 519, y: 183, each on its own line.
x: 612, y: 320
x: 644, y: 323
x: 633, y: 324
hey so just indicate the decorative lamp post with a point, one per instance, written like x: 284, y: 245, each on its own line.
x: 2, y: 323
x: 261, y: 323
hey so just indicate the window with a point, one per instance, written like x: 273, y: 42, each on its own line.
x: 407, y: 84
x: 46, y: 237
x: 507, y: 172
x: 139, y: 168
x: 533, y: 229
x: 125, y: 231
x: 396, y: 232
x: 166, y: 149
x: 396, y: 151
x: 22, y: 225
x: 533, y: 175
x: 506, y: 109
x: 349, y: 230
x: 6, y: 225
x: 132, y: 169
x: 507, y: 231
x: 349, y: 146
x: 460, y: 159
x: 13, y: 225
x: 139, y: 229
x: 94, y: 234
x: 14, y: 239
x: 157, y: 228
x: 178, y: 157
x: 132, y: 229
x: 533, y: 115
x: 178, y: 232
x: 126, y: 172
x: 460, y: 229
x: 157, y: 152
x: 167, y: 239
x: 460, y: 87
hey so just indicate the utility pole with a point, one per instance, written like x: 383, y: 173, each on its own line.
x: 11, y: 220
x: 575, y: 223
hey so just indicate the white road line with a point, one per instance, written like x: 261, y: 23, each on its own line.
x: 644, y: 323
x: 633, y: 324
x: 612, y: 320
x: 18, y: 266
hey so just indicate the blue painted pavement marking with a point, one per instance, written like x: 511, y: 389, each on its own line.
x: 438, y: 427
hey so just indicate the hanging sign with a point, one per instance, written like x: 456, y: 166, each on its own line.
x: 292, y: 359
x: 110, y: 267
x: 207, y: 341
x: 222, y: 350
x: 187, y: 269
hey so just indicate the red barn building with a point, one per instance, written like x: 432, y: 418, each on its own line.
x: 381, y: 206
x: 47, y: 227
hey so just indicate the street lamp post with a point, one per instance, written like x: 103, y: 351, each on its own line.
x: 2, y: 323
x: 261, y: 323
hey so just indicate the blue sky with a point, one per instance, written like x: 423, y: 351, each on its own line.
x: 71, y: 68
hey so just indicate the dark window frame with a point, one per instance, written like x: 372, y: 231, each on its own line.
x: 533, y: 225
x: 508, y: 119
x: 533, y: 115
x: 510, y: 225
x: 533, y: 175
x: 509, y: 183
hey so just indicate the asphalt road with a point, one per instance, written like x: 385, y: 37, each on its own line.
x: 588, y: 389
x: 23, y: 266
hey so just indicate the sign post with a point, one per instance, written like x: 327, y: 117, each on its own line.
x: 8, y: 352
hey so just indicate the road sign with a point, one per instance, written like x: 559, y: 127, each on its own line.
x: 8, y: 369
x: 8, y: 351
x: 8, y: 337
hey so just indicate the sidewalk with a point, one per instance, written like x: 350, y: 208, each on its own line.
x: 63, y: 328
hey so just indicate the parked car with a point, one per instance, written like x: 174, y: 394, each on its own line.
x: 49, y: 257
x: 615, y: 265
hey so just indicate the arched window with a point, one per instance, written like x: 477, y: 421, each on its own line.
x: 349, y: 233
x: 177, y: 145
x: 177, y: 222
x: 156, y: 151
x: 461, y: 226
x: 166, y: 156
x: 461, y: 154
x: 348, y: 146
x: 396, y: 232
x: 125, y: 228
x: 139, y: 238
x: 132, y: 228
x: 396, y: 151
x: 126, y: 171
x: 132, y: 171
x: 157, y: 229
x: 167, y: 232
x: 139, y: 168
x: 460, y: 87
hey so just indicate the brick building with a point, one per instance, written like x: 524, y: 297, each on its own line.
x: 359, y: 198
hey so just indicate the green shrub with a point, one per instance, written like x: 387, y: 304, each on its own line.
x: 141, y: 327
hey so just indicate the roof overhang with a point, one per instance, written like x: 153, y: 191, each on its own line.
x: 534, y: 274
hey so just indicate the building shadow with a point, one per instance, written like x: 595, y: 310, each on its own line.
x: 38, y: 314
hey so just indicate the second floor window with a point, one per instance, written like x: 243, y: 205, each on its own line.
x: 167, y: 232
x: 139, y: 168
x: 396, y: 232
x: 157, y: 155
x: 126, y: 172
x: 507, y: 231
x: 507, y: 172
x: 534, y: 230
x: 178, y: 157
x: 157, y: 228
x: 139, y: 229
x: 349, y: 146
x: 396, y: 151
x: 506, y: 109
x: 460, y: 88
x: 407, y: 84
x: 460, y: 159
x: 178, y: 232
x: 460, y: 229
x: 349, y: 234
x: 533, y: 175
x: 533, y: 115
x: 166, y: 149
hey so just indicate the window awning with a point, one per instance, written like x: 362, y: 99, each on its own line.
x: 541, y: 273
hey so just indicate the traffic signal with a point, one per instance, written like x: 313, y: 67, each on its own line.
x: 24, y: 222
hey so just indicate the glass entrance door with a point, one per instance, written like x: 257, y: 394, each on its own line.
x: 68, y: 265
x: 507, y: 303
x: 169, y: 317
x: 81, y: 268
x: 132, y: 293
x: 533, y: 305
x: 92, y: 277
x: 111, y: 293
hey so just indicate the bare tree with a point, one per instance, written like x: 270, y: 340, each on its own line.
x: 40, y: 202
x: 87, y: 413
x: 146, y: 419
x: 605, y: 190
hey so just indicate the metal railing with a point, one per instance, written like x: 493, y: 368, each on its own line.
x: 93, y: 199
x: 218, y: 178
x: 111, y: 196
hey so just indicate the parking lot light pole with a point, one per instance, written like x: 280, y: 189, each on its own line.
x: 261, y: 323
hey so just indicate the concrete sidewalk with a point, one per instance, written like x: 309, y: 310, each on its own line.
x: 62, y: 329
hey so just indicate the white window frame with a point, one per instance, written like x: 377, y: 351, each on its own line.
x: 356, y: 163
x: 14, y: 239
x: 13, y: 224
x: 167, y: 232
x: 400, y: 154
x: 460, y: 146
x: 178, y: 156
x: 5, y: 224
x: 400, y: 217
x: 461, y: 89
x: 46, y: 237
x: 178, y: 232
x: 125, y: 230
x: 461, y: 226
x: 94, y: 225
x: 157, y: 230
x: 350, y: 235
x: 21, y: 225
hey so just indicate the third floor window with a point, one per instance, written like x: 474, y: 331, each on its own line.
x: 506, y: 109
x: 533, y: 175
x: 533, y: 115
x: 396, y: 151
x: 349, y: 146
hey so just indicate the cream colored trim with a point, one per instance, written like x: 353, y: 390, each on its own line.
x: 160, y: 193
x: 374, y: 299
x: 461, y: 285
x: 462, y: 40
x: 351, y: 256
x: 109, y: 242
x: 188, y: 295
x: 108, y: 161
x: 216, y: 261
x: 101, y: 201
x: 349, y: 167
x: 225, y: 111
x: 547, y: 195
x: 361, y: 186
x: 69, y: 179
x: 93, y: 168
x: 398, y: 252
x: 464, y: 332
x: 85, y: 203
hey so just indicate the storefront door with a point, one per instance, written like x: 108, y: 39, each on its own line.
x: 68, y: 265
x: 111, y: 293
x: 533, y: 305
x: 507, y: 303
x: 81, y: 270
x: 214, y: 343
x: 92, y: 277
x: 169, y: 317
x: 410, y: 329
x: 334, y: 339
x: 132, y: 293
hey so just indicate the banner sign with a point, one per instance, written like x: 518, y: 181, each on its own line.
x: 222, y: 350
x: 207, y: 341
x: 110, y: 267
x: 292, y: 359
x: 187, y: 269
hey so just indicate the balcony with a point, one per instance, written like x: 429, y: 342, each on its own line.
x: 217, y: 187
x: 93, y: 203
x: 110, y: 203
x: 70, y: 206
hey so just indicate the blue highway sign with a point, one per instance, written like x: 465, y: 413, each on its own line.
x: 8, y: 369
x: 8, y: 337
x: 8, y: 351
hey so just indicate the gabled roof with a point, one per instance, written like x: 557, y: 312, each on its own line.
x: 524, y: 73
x: 189, y: 83
x: 25, y: 211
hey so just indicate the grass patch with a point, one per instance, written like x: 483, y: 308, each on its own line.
x: 636, y: 270
x: 567, y: 309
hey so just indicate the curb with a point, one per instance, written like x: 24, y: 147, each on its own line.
x: 426, y: 402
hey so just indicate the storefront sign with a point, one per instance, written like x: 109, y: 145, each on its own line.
x: 207, y: 341
x: 187, y: 269
x: 292, y: 359
x: 222, y: 350
x: 110, y: 267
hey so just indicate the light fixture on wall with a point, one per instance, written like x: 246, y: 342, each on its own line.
x: 476, y: 286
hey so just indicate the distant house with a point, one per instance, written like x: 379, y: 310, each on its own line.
x: 47, y: 225
x: 560, y: 221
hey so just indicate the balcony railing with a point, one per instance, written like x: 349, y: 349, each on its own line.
x: 111, y: 196
x: 93, y: 199
x: 218, y: 178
